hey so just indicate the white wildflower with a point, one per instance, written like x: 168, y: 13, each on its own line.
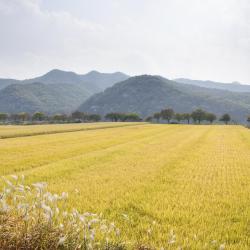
x: 93, y: 221
x: 117, y: 232
x: 103, y: 228
x: 171, y: 241
x: 64, y: 195
x: 9, y: 183
x: 61, y: 241
x: 14, y: 177
x: 82, y: 218
x: 4, y: 208
x: 222, y: 246
x: 39, y: 185
x: 92, y: 235
x: 87, y: 214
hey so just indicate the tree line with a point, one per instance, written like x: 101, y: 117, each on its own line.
x: 197, y: 116
x: 165, y: 115
x: 39, y: 117
x: 76, y: 117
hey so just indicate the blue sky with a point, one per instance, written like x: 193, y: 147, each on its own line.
x: 199, y: 39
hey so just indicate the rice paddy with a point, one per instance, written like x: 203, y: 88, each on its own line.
x: 165, y: 186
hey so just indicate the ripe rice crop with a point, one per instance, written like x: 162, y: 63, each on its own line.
x: 12, y: 131
x: 164, y: 186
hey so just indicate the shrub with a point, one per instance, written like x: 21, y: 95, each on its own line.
x: 33, y: 218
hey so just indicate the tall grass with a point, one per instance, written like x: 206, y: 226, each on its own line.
x: 33, y: 218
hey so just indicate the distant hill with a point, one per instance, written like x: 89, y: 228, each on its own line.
x: 56, y: 91
x: 33, y: 97
x: 104, y: 80
x: 49, y: 98
x: 234, y: 86
x: 148, y: 94
x: 6, y: 82
x: 94, y: 80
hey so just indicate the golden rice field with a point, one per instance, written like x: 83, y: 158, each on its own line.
x: 170, y: 186
x: 29, y: 130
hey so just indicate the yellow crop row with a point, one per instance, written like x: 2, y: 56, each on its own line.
x: 12, y: 131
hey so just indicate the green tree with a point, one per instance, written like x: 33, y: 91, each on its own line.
x: 226, y: 118
x: 78, y: 116
x: 198, y: 115
x: 132, y: 117
x: 187, y: 117
x: 211, y: 117
x: 23, y: 116
x: 112, y: 117
x: 178, y: 117
x: 14, y: 117
x: 59, y: 117
x: 149, y: 119
x: 3, y: 117
x: 38, y: 116
x: 248, y: 119
x: 93, y: 117
x: 167, y: 114
x: 157, y: 116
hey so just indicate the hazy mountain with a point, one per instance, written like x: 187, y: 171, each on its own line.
x: 56, y: 91
x: 49, y: 98
x: 57, y: 76
x: 104, y: 80
x: 94, y: 81
x: 6, y: 82
x: 234, y: 86
x: 148, y: 94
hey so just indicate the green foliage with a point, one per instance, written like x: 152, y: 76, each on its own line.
x: 3, y: 116
x: 179, y: 117
x: 115, y: 117
x: 187, y: 117
x: 198, y: 115
x: 157, y: 116
x: 167, y: 114
x: 59, y: 117
x: 225, y: 118
x: 210, y: 117
x: 23, y: 116
x: 92, y: 117
x: 149, y: 119
x: 77, y: 116
x: 38, y: 116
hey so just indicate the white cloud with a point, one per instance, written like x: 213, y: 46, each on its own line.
x: 206, y: 39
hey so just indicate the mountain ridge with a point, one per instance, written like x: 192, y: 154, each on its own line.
x: 148, y: 94
x: 233, y: 86
x: 60, y: 85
